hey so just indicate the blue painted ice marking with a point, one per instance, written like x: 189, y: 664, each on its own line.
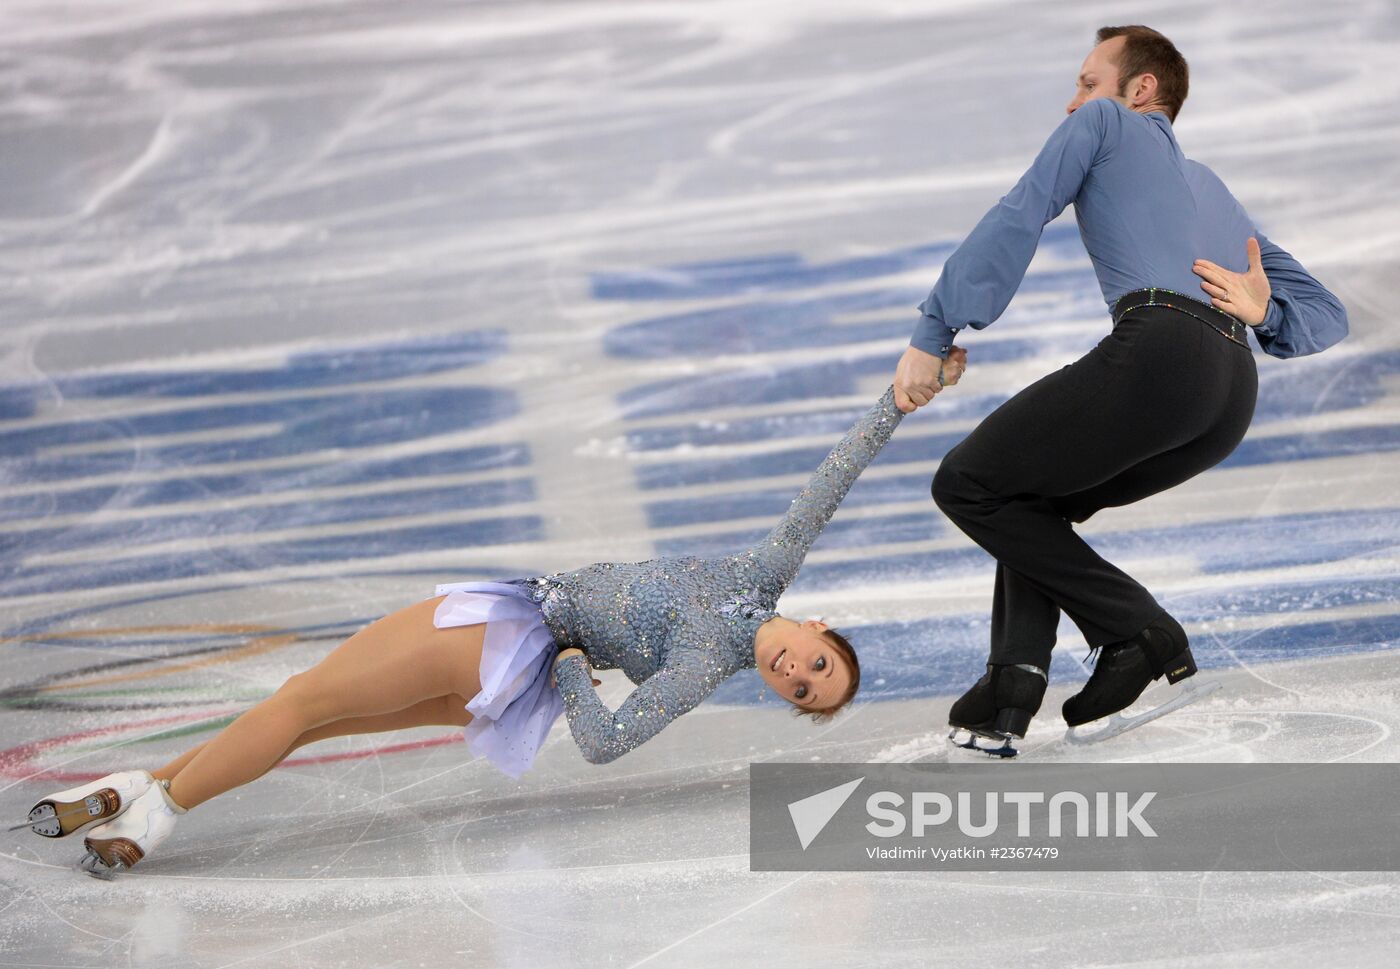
x: 322, y: 441
x: 63, y: 619
x: 298, y: 425
x: 1327, y: 637
x: 1275, y: 541
x: 1254, y: 450
x: 772, y: 326
x: 1323, y: 382
x: 1218, y: 547
x: 365, y: 363
x: 943, y: 656
x: 766, y: 327
x: 758, y: 274
x: 18, y: 401
x: 1283, y: 597
x: 302, y: 512
x: 786, y: 271
x: 376, y: 543
x: 317, y: 473
x: 921, y: 566
x: 793, y: 461
x: 841, y: 533
x: 1342, y: 442
x: 771, y: 503
x: 700, y: 433
x: 755, y: 386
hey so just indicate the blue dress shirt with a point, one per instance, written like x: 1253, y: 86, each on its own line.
x: 1146, y: 213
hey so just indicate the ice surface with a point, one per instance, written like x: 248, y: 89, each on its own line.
x: 311, y: 306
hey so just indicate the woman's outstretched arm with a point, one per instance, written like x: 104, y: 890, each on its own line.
x: 784, y: 548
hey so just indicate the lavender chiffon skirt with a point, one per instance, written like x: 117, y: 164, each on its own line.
x: 512, y: 714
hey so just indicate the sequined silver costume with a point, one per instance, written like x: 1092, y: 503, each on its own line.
x: 680, y: 626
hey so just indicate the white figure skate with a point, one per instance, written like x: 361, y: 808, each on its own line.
x: 120, y: 843
x: 61, y: 814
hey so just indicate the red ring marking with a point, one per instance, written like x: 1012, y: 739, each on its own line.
x: 15, y: 762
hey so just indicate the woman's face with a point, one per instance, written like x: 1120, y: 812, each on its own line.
x: 803, y: 667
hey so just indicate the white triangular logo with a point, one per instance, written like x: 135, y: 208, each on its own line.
x: 811, y: 814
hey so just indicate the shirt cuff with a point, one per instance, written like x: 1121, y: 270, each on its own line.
x: 1272, y: 318
x: 560, y: 664
x: 932, y: 335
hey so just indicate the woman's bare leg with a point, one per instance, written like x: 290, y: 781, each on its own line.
x: 169, y: 771
x: 450, y: 710
x: 447, y: 711
x: 389, y: 665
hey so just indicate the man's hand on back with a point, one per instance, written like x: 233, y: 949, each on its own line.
x: 916, y: 379
x: 1245, y: 296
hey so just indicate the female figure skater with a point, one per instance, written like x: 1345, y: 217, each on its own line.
x: 480, y: 655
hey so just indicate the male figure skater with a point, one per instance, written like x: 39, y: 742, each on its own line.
x: 1169, y: 393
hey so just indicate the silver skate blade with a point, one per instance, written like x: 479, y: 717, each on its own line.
x: 43, y: 814
x: 1190, y: 692
x: 1005, y: 750
x: 93, y: 865
x: 42, y: 820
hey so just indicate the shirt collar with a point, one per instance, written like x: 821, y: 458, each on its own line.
x: 1164, y: 124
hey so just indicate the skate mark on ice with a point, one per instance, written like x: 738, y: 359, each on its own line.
x: 909, y: 751
x: 1279, y: 730
x: 451, y: 883
x: 378, y: 811
x: 1383, y: 890
x: 307, y: 941
x: 686, y: 938
x: 1250, y: 667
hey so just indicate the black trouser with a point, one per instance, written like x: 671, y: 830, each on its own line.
x: 1159, y: 400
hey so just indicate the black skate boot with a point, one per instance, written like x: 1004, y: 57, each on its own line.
x: 1125, y: 669
x: 998, y: 707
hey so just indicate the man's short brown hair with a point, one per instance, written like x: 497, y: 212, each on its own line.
x: 1145, y: 51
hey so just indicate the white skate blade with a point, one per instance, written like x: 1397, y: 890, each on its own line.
x: 999, y: 747
x: 1190, y: 692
